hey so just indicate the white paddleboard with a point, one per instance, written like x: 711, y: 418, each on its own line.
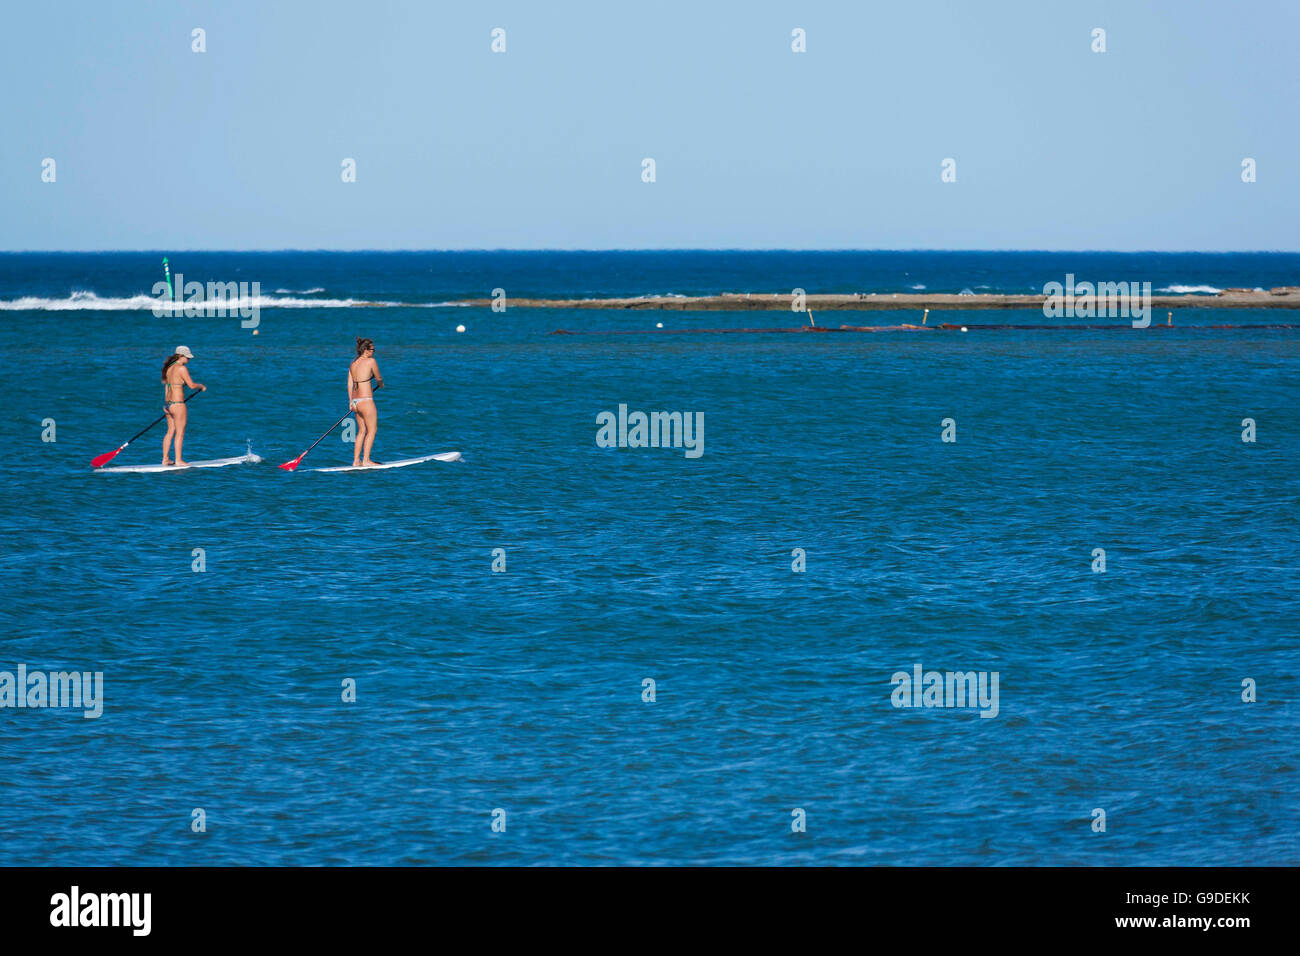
x: 441, y: 456
x: 248, y: 459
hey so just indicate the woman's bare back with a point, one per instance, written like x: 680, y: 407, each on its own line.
x: 362, y: 370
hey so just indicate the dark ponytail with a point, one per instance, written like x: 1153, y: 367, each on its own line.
x: 171, y: 360
x: 363, y: 344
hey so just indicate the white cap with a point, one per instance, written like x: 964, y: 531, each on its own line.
x: 184, y: 350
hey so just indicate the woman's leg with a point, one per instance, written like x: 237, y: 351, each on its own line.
x: 372, y: 426
x: 167, y: 439
x: 180, y: 416
x: 361, y: 433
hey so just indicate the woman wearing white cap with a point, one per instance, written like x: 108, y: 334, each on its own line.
x: 175, y: 377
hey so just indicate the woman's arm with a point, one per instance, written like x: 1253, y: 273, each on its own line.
x: 349, y: 387
x: 379, y: 379
x: 185, y: 374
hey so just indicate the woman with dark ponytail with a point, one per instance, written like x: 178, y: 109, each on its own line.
x: 175, y: 377
x: 361, y: 399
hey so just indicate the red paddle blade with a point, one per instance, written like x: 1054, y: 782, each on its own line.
x: 100, y: 460
x: 291, y: 465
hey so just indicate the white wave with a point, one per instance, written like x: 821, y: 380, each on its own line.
x: 90, y: 302
x: 1184, y: 289
x: 965, y: 292
x: 78, y: 301
x: 276, y: 302
x: 299, y: 291
x: 917, y: 286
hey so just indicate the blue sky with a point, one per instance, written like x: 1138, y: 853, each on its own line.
x: 1056, y: 147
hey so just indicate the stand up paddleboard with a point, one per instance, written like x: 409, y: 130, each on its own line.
x: 246, y: 459
x: 441, y: 456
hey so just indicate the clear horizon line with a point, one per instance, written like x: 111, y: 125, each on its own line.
x: 657, y: 249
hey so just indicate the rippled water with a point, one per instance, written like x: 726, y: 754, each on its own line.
x: 523, y: 690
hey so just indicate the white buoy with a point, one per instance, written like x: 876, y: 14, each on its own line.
x: 659, y: 325
x: 461, y: 328
x: 963, y: 328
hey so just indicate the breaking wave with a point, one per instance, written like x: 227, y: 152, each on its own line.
x: 1185, y: 289
x: 90, y: 302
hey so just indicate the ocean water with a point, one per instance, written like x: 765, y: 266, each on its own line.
x: 76, y: 280
x: 522, y: 691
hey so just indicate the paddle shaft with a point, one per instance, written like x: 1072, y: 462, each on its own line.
x: 323, y: 437
x: 157, y: 420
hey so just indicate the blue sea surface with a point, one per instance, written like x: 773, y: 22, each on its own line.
x: 522, y: 690
x: 426, y: 277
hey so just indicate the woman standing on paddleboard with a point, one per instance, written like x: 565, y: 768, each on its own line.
x: 361, y: 399
x: 175, y: 377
